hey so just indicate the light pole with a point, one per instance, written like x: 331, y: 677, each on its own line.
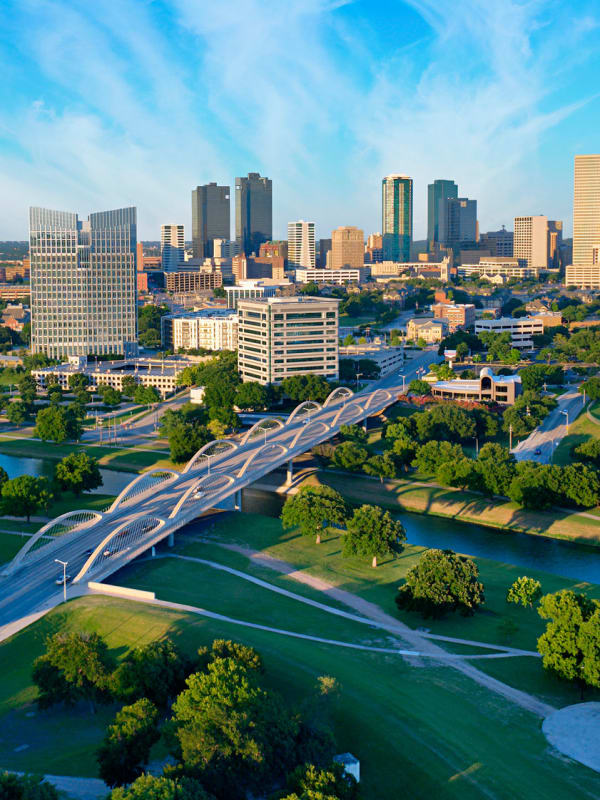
x: 510, y: 429
x: 476, y: 446
x: 566, y: 413
x: 403, y: 383
x: 64, y: 566
x: 358, y: 375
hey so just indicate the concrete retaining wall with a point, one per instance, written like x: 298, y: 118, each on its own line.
x: 120, y: 591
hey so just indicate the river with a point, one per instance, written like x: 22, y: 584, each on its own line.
x: 113, y: 481
x: 521, y: 549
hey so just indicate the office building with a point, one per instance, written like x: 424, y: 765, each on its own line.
x: 83, y: 283
x: 503, y: 389
x: 301, y: 244
x: 555, y: 243
x: 531, y: 241
x: 584, y: 272
x: 388, y: 358
x: 438, y: 190
x: 324, y: 251
x: 253, y: 212
x: 430, y: 330
x: 225, y: 248
x: 504, y: 267
x: 457, y: 315
x: 211, y: 218
x: 253, y: 289
x: 337, y: 276
x: 209, y: 329
x: 192, y: 280
x: 499, y: 243
x: 254, y: 267
x: 283, y: 336
x: 276, y: 248
x: 521, y: 329
x: 457, y: 222
x: 397, y: 217
x: 172, y: 246
x: 347, y: 248
x: 374, y: 249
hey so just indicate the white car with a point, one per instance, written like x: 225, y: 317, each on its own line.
x: 198, y: 495
x: 62, y: 579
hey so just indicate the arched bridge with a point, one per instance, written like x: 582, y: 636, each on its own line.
x: 156, y: 504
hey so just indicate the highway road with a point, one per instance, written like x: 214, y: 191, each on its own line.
x: 32, y: 586
x: 541, y: 443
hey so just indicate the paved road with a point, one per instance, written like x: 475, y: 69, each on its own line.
x: 548, y: 435
x: 138, y: 430
x: 33, y: 586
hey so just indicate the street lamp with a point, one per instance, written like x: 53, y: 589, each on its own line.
x: 566, y: 413
x: 358, y: 375
x: 403, y: 383
x: 477, y: 446
x: 64, y: 566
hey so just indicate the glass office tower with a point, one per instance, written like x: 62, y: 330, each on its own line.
x: 211, y: 218
x: 438, y: 190
x: 83, y: 283
x: 397, y: 217
x: 253, y: 212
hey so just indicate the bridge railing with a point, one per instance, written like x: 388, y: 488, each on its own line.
x: 145, y: 483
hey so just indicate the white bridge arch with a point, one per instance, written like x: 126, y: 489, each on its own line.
x: 307, y: 407
x: 227, y: 446
x: 144, y: 483
x: 211, y: 484
x: 339, y: 394
x: 354, y: 407
x: 305, y: 429
x: 274, y: 423
x: 255, y: 453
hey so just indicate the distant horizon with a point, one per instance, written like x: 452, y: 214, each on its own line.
x: 172, y: 94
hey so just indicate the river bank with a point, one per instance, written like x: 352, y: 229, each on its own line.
x: 454, y: 504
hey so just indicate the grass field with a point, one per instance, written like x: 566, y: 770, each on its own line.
x: 423, y: 730
x: 10, y: 544
x: 353, y: 322
x: 580, y: 431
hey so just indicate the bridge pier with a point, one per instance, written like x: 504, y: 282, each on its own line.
x: 365, y: 425
x: 153, y: 551
x: 171, y: 540
x: 290, y: 472
x: 237, y: 503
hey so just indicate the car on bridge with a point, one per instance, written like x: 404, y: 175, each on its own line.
x: 62, y: 579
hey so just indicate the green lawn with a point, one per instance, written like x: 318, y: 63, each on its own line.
x: 424, y: 731
x: 10, y: 545
x: 353, y: 322
x: 69, y: 502
x: 580, y: 431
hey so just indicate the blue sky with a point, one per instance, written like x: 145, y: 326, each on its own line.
x: 117, y: 102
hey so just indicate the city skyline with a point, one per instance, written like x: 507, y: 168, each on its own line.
x: 145, y: 119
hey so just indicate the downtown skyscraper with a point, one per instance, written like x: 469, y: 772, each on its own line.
x: 253, y: 212
x: 211, y: 218
x: 172, y: 246
x: 585, y: 270
x: 301, y: 244
x: 397, y: 217
x: 83, y: 282
x: 440, y: 189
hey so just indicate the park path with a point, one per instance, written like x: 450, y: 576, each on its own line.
x: 419, y: 641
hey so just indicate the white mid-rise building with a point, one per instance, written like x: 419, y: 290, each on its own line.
x: 172, y: 246
x: 531, y: 241
x: 225, y: 248
x: 584, y: 272
x: 506, y: 267
x: 209, y: 329
x: 337, y: 276
x: 301, y: 244
x: 283, y: 336
x: 521, y: 329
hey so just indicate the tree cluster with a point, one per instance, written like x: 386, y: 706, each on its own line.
x: 221, y: 381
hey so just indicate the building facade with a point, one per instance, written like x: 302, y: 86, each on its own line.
x: 521, y: 329
x: 457, y: 222
x: 301, y: 245
x: 337, y: 276
x: 374, y: 248
x: 531, y: 241
x: 253, y: 212
x: 397, y: 217
x: 388, y: 358
x: 283, y: 336
x: 347, y: 248
x: 253, y: 289
x: 430, y: 330
x: 438, y: 190
x: 584, y: 272
x: 83, y: 283
x: 324, y: 251
x: 192, y: 280
x: 499, y: 243
x: 457, y: 315
x: 211, y: 218
x: 503, y: 389
x: 209, y: 328
x: 505, y: 267
x: 172, y: 246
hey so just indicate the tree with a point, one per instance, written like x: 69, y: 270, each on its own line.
x: 151, y: 787
x: 579, y: 484
x: 353, y: 433
x: 248, y: 657
x: 535, y: 376
x: 23, y: 496
x: 446, y: 422
x: 350, y: 456
x: 530, y: 486
x: 308, y: 782
x: 25, y: 787
x: 17, y: 412
x: 457, y: 473
x: 126, y: 747
x: 404, y: 450
x: 306, y: 387
x: 381, y: 466
x: 55, y: 395
x: 348, y: 340
x: 524, y: 591
x: 372, y: 532
x: 77, y: 381
x: 420, y: 388
x: 145, y: 395
x: 58, y: 424
x: 78, y: 473
x: 312, y: 509
x: 129, y: 385
x: 251, y: 395
x: 28, y: 389
x: 185, y: 439
x: 588, y: 452
x: 156, y: 671
x: 441, y: 581
x: 76, y: 666
x: 591, y: 387
x: 570, y: 645
x: 431, y: 455
x: 496, y: 465
x: 110, y: 395
x: 232, y: 732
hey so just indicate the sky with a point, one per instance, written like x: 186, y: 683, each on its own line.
x: 134, y: 102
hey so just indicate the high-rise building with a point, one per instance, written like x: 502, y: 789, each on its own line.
x: 457, y: 222
x: 374, y: 249
x: 555, y: 231
x: 347, y: 247
x: 172, y: 246
x: 324, y: 250
x: 210, y: 218
x: 499, y: 243
x: 397, y: 217
x: 438, y: 190
x: 276, y: 248
x: 531, y: 241
x: 585, y: 269
x: 301, y: 244
x: 269, y: 349
x: 225, y: 248
x: 83, y: 283
x: 253, y: 212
